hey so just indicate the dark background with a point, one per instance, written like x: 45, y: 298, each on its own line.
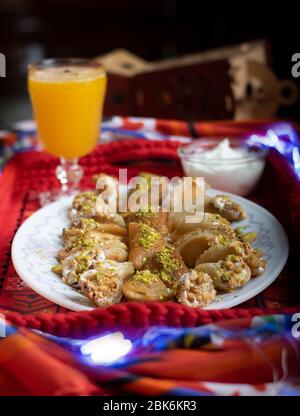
x: 33, y: 29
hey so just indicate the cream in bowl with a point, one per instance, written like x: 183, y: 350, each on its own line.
x: 231, y: 165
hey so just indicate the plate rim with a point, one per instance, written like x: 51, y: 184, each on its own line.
x: 233, y: 302
x: 26, y: 279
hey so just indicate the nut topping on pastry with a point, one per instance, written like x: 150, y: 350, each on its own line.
x: 144, y: 242
x: 195, y: 289
x: 157, y: 220
x: 228, y: 274
x: 167, y: 263
x: 79, y: 262
x: 226, y: 207
x: 103, y: 285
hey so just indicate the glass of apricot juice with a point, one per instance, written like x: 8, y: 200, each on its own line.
x: 67, y: 97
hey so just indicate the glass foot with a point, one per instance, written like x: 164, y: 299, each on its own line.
x: 69, y: 174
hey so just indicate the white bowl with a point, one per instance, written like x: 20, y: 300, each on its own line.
x: 235, y: 175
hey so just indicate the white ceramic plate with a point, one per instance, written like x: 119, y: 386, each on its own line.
x: 38, y: 239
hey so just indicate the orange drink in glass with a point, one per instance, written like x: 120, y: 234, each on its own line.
x: 67, y: 96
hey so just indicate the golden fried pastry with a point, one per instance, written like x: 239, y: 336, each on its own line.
x: 110, y: 218
x: 88, y: 224
x: 194, y: 243
x: 86, y: 241
x: 228, y: 274
x: 177, y: 223
x: 92, y: 214
x: 81, y: 240
x: 103, y: 286
x: 84, y: 206
x: 145, y: 286
x: 195, y: 289
x: 92, y: 206
x: 108, y: 229
x: 62, y: 254
x: 122, y: 269
x: 251, y: 256
x: 179, y: 226
x: 144, y: 242
x: 168, y: 264
x: 219, y: 251
x: 70, y: 236
x: 73, y: 233
x: 226, y: 207
x: 157, y: 220
x: 114, y: 250
x: 78, y: 262
x: 107, y: 236
x: 103, y: 289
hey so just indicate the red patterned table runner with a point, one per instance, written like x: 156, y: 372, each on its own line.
x: 29, y: 173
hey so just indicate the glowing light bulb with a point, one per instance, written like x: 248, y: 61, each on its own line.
x: 107, y: 349
x: 89, y: 347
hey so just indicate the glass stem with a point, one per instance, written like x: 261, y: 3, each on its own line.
x: 69, y: 174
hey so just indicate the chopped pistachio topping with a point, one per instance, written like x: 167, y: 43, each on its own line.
x: 165, y: 277
x: 219, y: 218
x: 104, y: 272
x: 169, y: 263
x: 239, y: 231
x: 86, y: 207
x: 249, y: 237
x: 102, y: 277
x: 257, y: 252
x: 83, y: 263
x: 149, y: 236
x: 145, y: 276
x: 89, y: 223
x: 167, y: 260
x: 84, y: 243
x: 145, y: 212
x: 57, y: 269
x: 225, y: 277
x: 222, y: 240
x: 232, y: 257
x: 108, y: 265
